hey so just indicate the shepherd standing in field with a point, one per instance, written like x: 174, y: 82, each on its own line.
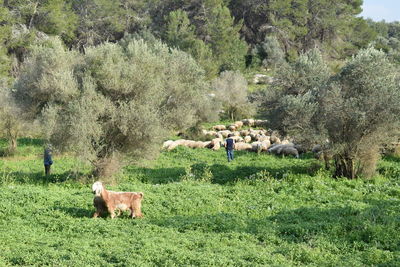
x: 47, y: 160
x: 229, y: 146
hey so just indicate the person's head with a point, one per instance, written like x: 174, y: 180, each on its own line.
x: 230, y: 135
x: 48, y: 147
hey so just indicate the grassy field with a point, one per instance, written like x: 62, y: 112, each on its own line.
x: 259, y: 210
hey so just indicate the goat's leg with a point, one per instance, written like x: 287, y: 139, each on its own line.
x: 111, y: 211
x: 96, y: 214
x: 136, y: 210
x: 132, y: 213
x: 118, y: 212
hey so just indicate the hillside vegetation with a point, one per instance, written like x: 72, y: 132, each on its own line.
x: 199, y: 210
x: 142, y: 95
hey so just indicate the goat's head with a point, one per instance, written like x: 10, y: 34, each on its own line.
x: 97, y: 188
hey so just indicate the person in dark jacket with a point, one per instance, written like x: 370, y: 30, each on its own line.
x: 47, y: 160
x: 229, y: 146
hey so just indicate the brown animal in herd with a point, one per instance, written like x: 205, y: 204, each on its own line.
x: 110, y: 201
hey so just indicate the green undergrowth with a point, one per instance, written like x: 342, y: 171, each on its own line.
x: 200, y: 210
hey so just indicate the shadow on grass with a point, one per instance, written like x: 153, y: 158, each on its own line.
x: 224, y: 175
x: 24, y: 146
x: 221, y: 174
x: 77, y: 212
x: 156, y: 176
x: 40, y: 177
x: 350, y: 226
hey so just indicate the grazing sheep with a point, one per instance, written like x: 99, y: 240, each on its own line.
x: 167, y: 144
x: 244, y: 133
x: 247, y: 139
x: 286, y: 142
x: 215, y: 144
x: 232, y: 128
x: 237, y: 138
x: 265, y: 145
x: 206, y: 144
x: 289, y: 151
x: 210, y: 134
x: 275, y: 140
x: 111, y: 201
x: 253, y: 136
x: 243, y: 147
x: 262, y: 138
x: 176, y: 143
x: 219, y: 127
x: 260, y: 146
x: 190, y: 144
x: 225, y: 133
x: 275, y: 149
x: 284, y: 150
x: 200, y: 144
x: 239, y: 124
x: 248, y: 122
x: 260, y: 123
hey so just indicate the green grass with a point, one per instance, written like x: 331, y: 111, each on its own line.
x: 258, y: 210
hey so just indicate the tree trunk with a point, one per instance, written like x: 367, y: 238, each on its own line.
x: 106, y: 167
x: 12, y: 144
x: 33, y: 15
x: 344, y: 167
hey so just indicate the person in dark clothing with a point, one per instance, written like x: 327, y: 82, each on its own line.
x: 229, y: 146
x: 47, y: 160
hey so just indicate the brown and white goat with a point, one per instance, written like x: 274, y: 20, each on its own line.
x: 110, y: 201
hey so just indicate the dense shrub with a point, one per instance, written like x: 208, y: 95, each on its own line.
x: 356, y: 110
x: 115, y: 100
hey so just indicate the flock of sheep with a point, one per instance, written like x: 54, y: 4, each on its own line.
x: 255, y: 140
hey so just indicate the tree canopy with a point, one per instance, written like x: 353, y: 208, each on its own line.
x: 115, y: 100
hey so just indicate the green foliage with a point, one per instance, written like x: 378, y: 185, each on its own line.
x: 5, y: 31
x: 231, y: 90
x: 217, y: 33
x: 292, y: 104
x: 228, y: 49
x: 270, y: 53
x: 258, y: 210
x: 51, y: 17
x: 11, y: 123
x: 181, y: 34
x: 366, y: 84
x: 103, y: 20
x: 115, y: 100
x: 47, y: 77
x: 345, y: 108
x: 362, y: 34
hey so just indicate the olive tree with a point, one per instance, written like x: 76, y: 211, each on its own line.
x: 356, y: 110
x: 11, y: 123
x: 292, y: 102
x: 270, y: 53
x: 232, y: 91
x: 47, y: 77
x: 123, y: 99
x: 361, y: 112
